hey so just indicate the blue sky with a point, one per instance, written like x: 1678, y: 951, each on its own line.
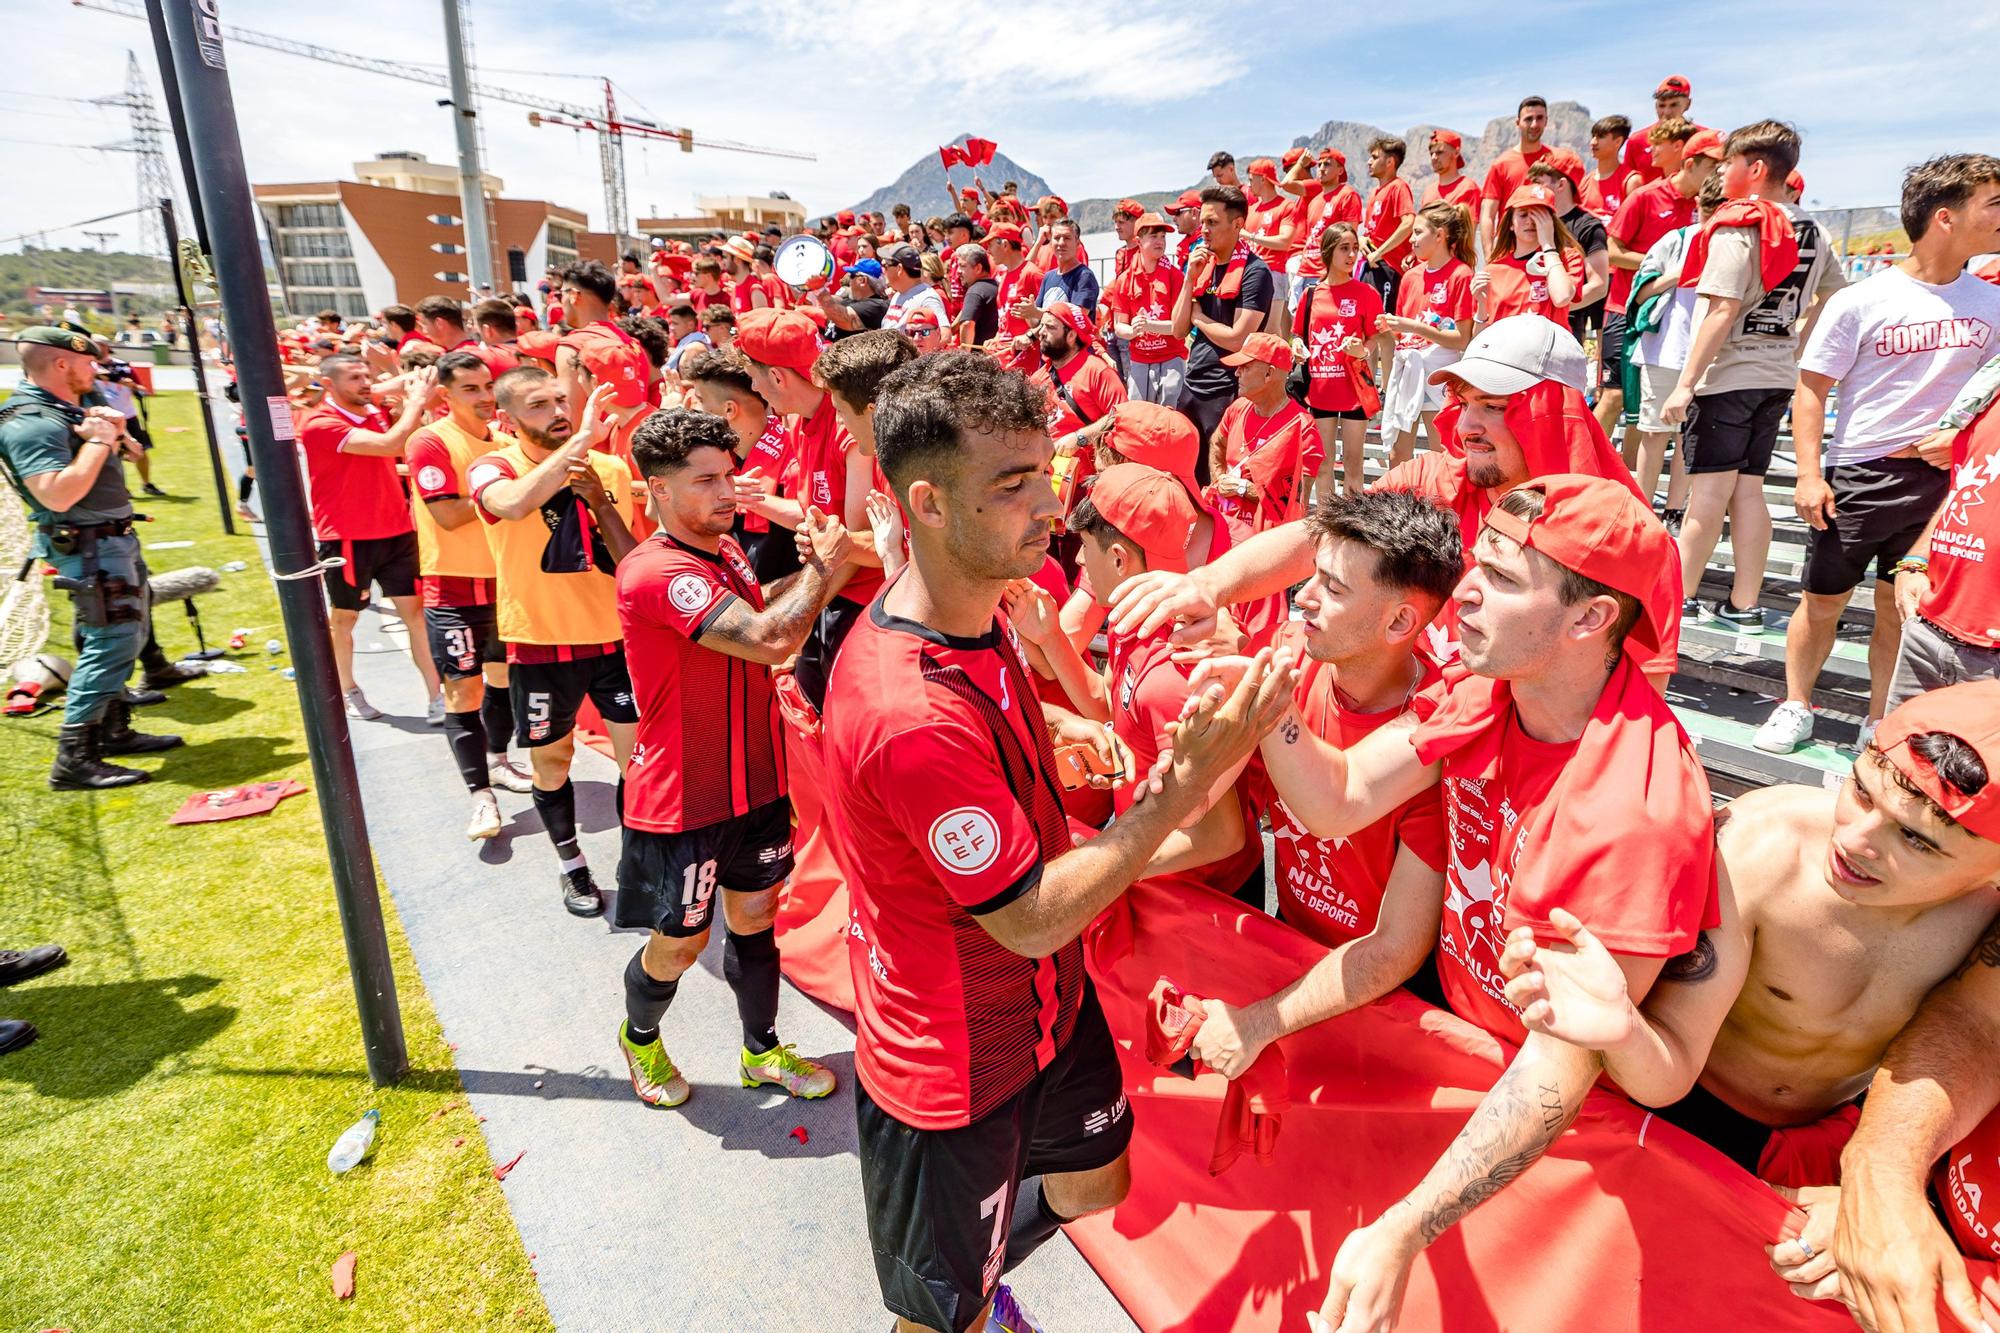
x: 1100, y: 99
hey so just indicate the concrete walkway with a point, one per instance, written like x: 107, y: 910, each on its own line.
x: 711, y: 1216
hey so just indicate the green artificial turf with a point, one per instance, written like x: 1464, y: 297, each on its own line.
x: 163, y: 1146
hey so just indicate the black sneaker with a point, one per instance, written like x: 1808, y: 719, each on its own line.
x: 1690, y: 608
x: 20, y: 964
x: 580, y: 893
x: 150, y: 489
x: 1753, y: 619
x: 1671, y: 520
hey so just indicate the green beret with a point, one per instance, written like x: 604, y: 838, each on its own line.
x: 47, y: 335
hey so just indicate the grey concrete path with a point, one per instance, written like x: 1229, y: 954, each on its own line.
x: 712, y: 1216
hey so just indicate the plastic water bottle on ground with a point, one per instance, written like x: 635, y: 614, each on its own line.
x: 352, y: 1146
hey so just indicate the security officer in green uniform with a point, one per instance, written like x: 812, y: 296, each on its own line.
x: 62, y: 458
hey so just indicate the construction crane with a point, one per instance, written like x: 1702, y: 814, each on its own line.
x: 603, y: 121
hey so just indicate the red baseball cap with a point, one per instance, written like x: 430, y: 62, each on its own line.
x: 1269, y: 348
x: 1006, y: 231
x: 845, y: 217
x: 1264, y: 167
x: 1598, y: 528
x: 1151, y: 508
x: 1971, y: 712
x: 923, y: 317
x: 1674, y: 85
x: 1159, y: 437
x: 1795, y: 182
x: 1532, y: 196
x: 1569, y: 164
x: 1449, y: 138
x: 782, y: 338
x: 1291, y: 157
x: 1332, y: 154
x: 1703, y: 143
x: 1189, y: 199
x: 1074, y: 316
x: 1129, y: 208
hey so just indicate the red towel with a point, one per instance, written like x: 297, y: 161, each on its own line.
x: 1253, y: 1106
x: 1778, y: 244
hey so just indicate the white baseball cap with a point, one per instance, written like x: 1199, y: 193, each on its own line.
x: 1517, y: 353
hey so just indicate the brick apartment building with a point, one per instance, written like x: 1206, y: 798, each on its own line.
x: 394, y: 234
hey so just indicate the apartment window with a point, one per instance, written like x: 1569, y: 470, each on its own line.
x: 448, y: 276
x: 444, y: 219
x: 309, y: 215
x: 447, y: 248
x: 321, y: 273
x: 562, y: 238
x: 316, y: 245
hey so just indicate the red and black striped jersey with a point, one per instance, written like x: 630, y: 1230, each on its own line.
x: 708, y: 747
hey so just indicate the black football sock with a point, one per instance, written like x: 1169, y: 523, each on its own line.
x: 750, y: 966
x: 468, y: 747
x: 496, y: 714
x: 646, y: 1001
x: 558, y: 811
x: 244, y: 485
x: 1033, y: 1222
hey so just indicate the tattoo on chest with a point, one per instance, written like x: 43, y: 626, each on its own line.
x: 1289, y: 729
x: 1697, y: 964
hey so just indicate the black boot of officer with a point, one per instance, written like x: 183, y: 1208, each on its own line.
x: 115, y: 734
x: 80, y: 762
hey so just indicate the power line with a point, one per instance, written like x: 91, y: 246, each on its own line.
x: 71, y: 226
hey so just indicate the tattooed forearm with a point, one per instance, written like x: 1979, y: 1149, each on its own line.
x: 776, y: 632
x: 1514, y: 1124
x: 1697, y: 964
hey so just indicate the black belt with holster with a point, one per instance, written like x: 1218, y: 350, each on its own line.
x: 100, y: 599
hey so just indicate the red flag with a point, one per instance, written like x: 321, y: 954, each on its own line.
x: 978, y: 152
x: 950, y: 154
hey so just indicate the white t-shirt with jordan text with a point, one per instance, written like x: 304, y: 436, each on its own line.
x: 1900, y: 350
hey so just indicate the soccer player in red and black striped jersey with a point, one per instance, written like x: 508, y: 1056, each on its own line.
x: 990, y: 1107
x: 705, y: 802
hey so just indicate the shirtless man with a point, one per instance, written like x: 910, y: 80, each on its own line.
x: 1839, y: 913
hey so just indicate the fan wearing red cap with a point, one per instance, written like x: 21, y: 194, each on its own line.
x: 834, y: 474
x: 1670, y: 103
x: 1185, y: 213
x: 1534, y: 266
x: 1272, y: 230
x: 1509, y: 171
x: 1332, y: 200
x: 1562, y: 174
x: 1017, y: 280
x: 1137, y: 518
x: 1758, y: 267
x: 1552, y: 750
x: 1125, y: 215
x: 1516, y: 413
x: 1266, y: 452
x: 1452, y: 185
x: 1899, y: 865
x: 976, y: 1021
x: 1141, y: 301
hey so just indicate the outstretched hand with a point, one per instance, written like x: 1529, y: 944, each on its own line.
x: 1573, y: 991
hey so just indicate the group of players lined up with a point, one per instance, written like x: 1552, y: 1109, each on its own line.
x: 811, y: 546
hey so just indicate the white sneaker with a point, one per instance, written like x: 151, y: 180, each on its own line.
x: 358, y: 706
x: 1789, y: 726
x: 1867, y: 735
x: 510, y: 776
x: 485, y: 820
x: 435, y: 713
